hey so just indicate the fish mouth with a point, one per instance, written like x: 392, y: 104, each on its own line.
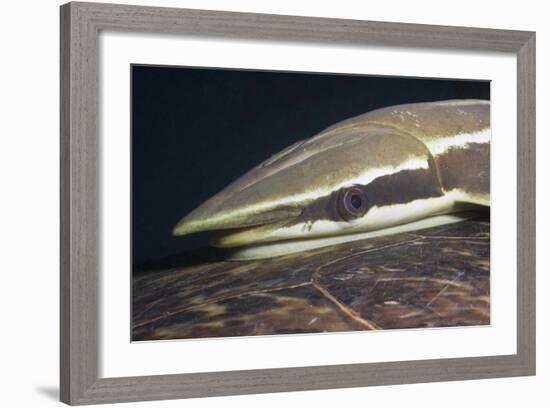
x: 214, y: 217
x: 230, y: 228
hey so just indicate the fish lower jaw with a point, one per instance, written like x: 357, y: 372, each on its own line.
x: 281, y: 248
x: 242, y: 236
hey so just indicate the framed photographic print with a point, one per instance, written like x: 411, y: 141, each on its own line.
x: 243, y: 192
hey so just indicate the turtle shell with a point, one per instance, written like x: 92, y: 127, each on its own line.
x: 430, y: 278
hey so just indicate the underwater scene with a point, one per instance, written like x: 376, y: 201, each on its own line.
x: 269, y: 202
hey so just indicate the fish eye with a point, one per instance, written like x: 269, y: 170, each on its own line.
x: 352, y: 203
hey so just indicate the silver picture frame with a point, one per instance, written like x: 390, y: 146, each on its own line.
x: 81, y: 24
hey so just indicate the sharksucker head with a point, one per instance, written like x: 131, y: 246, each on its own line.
x: 350, y: 179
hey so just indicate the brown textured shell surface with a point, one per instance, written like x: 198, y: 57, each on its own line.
x: 429, y: 278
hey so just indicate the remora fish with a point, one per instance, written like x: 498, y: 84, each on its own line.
x: 394, y: 169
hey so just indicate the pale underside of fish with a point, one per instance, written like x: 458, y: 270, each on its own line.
x: 395, y: 169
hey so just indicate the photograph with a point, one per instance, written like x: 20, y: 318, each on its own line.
x: 274, y: 202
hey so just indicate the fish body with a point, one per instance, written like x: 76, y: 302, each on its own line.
x: 394, y: 169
